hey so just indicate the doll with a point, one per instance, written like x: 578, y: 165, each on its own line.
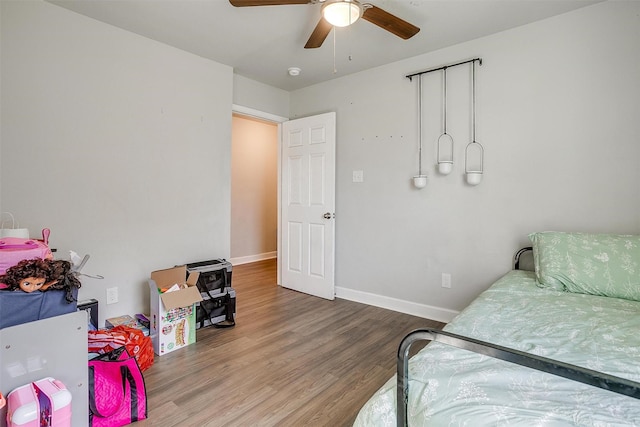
x: 28, y: 275
x: 37, y: 274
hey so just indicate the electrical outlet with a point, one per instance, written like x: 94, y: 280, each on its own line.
x: 112, y: 295
x: 446, y: 280
x: 358, y: 176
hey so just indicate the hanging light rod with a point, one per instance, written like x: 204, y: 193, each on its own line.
x: 444, y: 67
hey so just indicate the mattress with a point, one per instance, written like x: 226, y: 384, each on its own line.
x: 454, y: 387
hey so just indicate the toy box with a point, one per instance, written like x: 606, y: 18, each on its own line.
x: 46, y: 402
x: 173, y: 314
x: 128, y: 321
x: 125, y: 320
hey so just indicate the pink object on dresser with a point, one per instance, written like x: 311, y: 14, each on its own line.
x: 46, y: 402
x: 15, y: 249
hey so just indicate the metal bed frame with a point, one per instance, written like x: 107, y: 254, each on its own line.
x: 543, y: 364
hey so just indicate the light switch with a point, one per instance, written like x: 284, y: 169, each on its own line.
x: 358, y: 176
x: 112, y: 295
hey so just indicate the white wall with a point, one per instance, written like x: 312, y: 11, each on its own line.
x: 558, y: 109
x: 259, y: 96
x: 119, y: 144
x: 254, y: 190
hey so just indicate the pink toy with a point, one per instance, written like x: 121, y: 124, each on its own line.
x: 46, y: 402
x: 14, y: 249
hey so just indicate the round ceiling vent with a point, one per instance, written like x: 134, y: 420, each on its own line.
x: 294, y: 71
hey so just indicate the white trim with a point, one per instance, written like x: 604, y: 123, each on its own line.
x: 253, y: 258
x: 407, y: 307
x: 279, y: 237
x: 257, y: 113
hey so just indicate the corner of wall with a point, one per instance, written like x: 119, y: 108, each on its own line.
x: 259, y: 96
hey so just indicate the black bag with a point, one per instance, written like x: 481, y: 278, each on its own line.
x: 219, y: 303
x: 215, y: 275
x: 216, y: 309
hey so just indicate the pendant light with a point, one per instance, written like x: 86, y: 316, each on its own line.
x: 420, y: 180
x: 474, y: 153
x: 445, y: 141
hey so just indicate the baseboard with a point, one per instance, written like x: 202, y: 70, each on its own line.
x: 407, y: 307
x: 253, y: 258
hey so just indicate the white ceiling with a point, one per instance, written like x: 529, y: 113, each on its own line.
x: 261, y: 43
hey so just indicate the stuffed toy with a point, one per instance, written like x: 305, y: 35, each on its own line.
x: 38, y: 274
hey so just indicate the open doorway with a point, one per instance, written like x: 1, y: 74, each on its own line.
x: 254, y: 189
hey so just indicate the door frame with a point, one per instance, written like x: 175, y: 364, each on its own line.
x: 250, y: 112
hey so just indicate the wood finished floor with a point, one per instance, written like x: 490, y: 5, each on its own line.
x: 291, y: 360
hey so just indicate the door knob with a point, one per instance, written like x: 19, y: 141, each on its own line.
x: 329, y: 215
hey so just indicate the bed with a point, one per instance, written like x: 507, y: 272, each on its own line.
x: 576, y: 316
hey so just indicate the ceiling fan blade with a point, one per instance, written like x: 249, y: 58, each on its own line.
x: 245, y: 3
x: 389, y: 22
x: 319, y: 34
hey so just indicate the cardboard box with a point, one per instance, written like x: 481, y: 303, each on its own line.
x: 125, y: 320
x: 173, y: 314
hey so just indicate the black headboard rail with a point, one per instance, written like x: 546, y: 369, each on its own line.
x: 516, y: 260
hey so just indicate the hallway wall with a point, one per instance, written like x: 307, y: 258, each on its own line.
x: 254, y: 189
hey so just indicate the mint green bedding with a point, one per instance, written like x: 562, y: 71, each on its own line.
x: 453, y: 387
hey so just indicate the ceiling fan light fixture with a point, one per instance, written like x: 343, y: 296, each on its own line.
x: 342, y: 13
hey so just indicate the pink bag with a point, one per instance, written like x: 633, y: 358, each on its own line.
x: 117, y: 393
x: 15, y: 249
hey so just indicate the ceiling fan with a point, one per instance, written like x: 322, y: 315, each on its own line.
x: 342, y: 13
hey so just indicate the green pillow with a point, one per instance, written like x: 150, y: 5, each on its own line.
x: 595, y: 264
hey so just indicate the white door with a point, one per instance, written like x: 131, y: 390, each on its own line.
x: 307, y: 190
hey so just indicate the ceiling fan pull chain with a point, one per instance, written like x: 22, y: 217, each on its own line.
x: 351, y: 44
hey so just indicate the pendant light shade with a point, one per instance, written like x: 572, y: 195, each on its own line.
x: 420, y: 180
x: 445, y: 154
x: 341, y: 13
x: 474, y: 153
x: 445, y: 142
x: 473, y: 159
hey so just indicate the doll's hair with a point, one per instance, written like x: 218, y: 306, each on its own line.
x: 66, y: 278
x: 26, y: 268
